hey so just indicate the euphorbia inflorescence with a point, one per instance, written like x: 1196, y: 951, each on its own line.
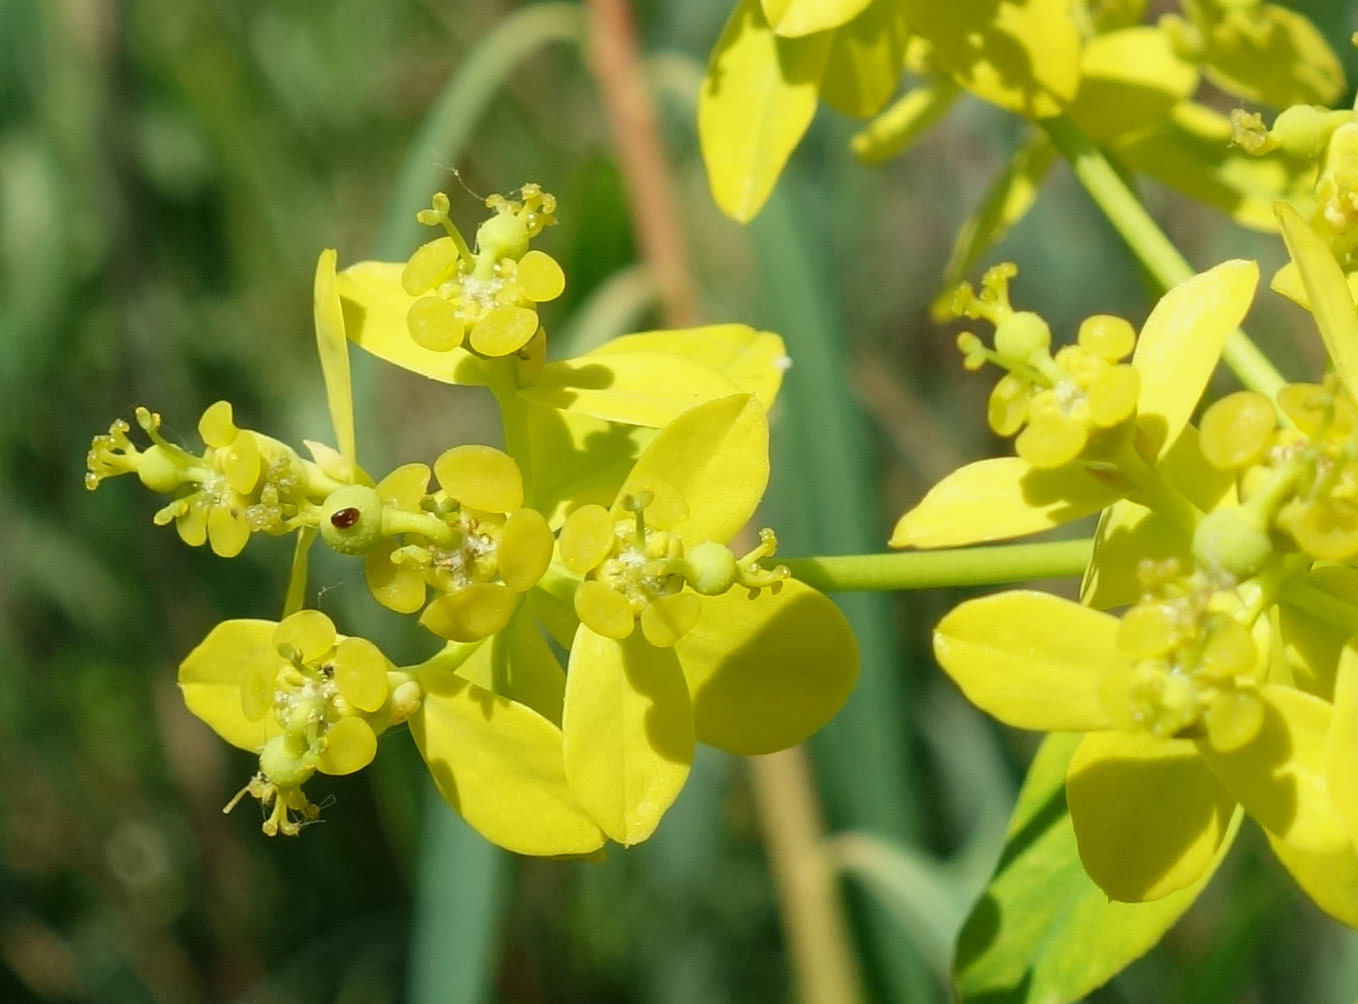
x: 1058, y: 405
x: 486, y: 297
x: 539, y: 759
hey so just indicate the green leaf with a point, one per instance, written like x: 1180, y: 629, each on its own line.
x: 758, y: 98
x: 1043, y: 932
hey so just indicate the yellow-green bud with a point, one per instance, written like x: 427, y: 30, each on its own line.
x: 351, y: 519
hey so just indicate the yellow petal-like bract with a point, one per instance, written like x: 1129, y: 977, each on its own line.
x: 499, y: 764
x: 1032, y: 660
x: 999, y: 499
x: 716, y: 457
x: 1181, y: 342
x: 1149, y: 816
x: 758, y: 98
x: 1023, y: 55
x: 628, y: 729
x: 766, y: 672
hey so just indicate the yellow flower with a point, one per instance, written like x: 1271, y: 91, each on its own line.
x: 1229, y: 681
x: 1179, y: 731
x: 472, y: 541
x: 301, y: 696
x: 1090, y: 448
x: 307, y: 699
x: 727, y: 653
x: 243, y: 483
x: 487, y: 298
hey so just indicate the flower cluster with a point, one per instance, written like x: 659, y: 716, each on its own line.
x: 616, y: 556
x: 1228, y: 548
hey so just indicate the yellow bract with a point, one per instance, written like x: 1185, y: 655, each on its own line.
x: 1181, y: 342
x: 500, y: 765
x: 1022, y: 55
x: 226, y: 681
x: 999, y: 499
x: 715, y: 462
x: 628, y: 726
x: 805, y: 17
x: 1327, y: 292
x: 745, y: 674
x: 766, y: 672
x: 333, y: 349
x: 758, y: 98
x: 1032, y: 660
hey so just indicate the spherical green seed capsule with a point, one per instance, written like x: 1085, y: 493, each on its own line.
x: 1236, y: 430
x: 1304, y: 130
x: 502, y: 236
x: 1229, y: 541
x: 159, y: 470
x: 351, y: 519
x: 282, y: 766
x: 712, y: 568
x: 1020, y: 335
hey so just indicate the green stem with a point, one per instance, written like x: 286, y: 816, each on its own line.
x: 967, y: 566
x: 1150, y: 245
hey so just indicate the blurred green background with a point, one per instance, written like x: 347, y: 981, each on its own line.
x: 169, y: 171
